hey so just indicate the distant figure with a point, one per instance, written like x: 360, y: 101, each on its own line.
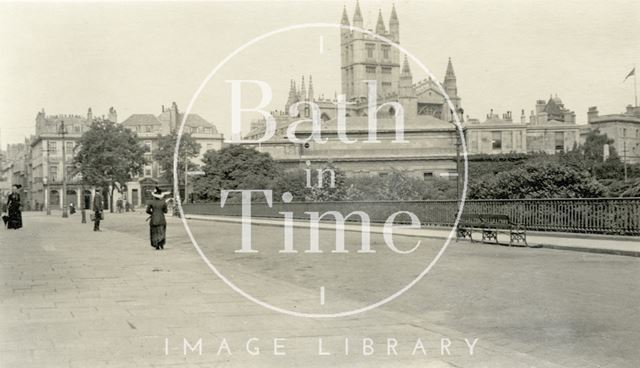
x: 72, y: 208
x: 14, y: 214
x: 119, y: 205
x: 97, y: 211
x: 157, y: 207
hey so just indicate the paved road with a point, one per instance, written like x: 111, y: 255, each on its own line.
x: 75, y: 298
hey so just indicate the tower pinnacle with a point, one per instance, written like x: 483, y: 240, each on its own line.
x: 405, y: 67
x: 310, y: 97
x: 394, y: 15
x: 450, y: 73
x: 380, y: 28
x: 345, y: 17
x: 303, y: 90
x: 357, y: 16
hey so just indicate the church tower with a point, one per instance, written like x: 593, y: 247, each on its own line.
x: 364, y: 57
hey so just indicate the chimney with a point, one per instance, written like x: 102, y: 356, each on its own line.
x: 592, y: 113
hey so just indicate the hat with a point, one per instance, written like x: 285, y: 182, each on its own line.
x: 157, y: 193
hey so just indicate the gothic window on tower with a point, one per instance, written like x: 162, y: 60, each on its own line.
x: 370, y: 49
x: 385, y: 51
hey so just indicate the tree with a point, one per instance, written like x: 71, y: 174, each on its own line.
x: 109, y: 155
x: 538, y: 180
x: 235, y: 167
x: 591, y: 154
x: 331, y: 190
x: 189, y: 149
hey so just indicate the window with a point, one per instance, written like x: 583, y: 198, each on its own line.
x: 147, y: 170
x: 496, y: 140
x: 370, y: 48
x: 371, y: 70
x: 386, y: 84
x: 427, y: 176
x: 53, y: 147
x: 508, y: 140
x: 385, y: 51
x: 147, y: 146
x: 386, y: 70
x: 53, y: 173
x: 559, y: 141
x: 382, y: 174
x: 69, y: 146
x: 70, y: 170
x: 148, y: 128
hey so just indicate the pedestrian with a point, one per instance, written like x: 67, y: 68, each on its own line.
x: 157, y: 207
x: 13, y: 220
x: 72, y: 209
x: 97, y: 211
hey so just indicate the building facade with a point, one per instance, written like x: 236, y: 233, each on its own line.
x: 430, y: 150
x: 150, y: 128
x: 47, y: 160
x: 550, y: 128
x: 623, y: 128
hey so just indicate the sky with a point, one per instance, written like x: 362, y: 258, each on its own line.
x: 138, y: 56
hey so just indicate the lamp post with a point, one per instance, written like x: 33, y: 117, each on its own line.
x: 460, y: 112
x: 45, y: 180
x: 63, y: 131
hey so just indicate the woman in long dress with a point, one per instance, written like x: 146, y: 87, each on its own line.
x: 14, y: 213
x: 157, y: 207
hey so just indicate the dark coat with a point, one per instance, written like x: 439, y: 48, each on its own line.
x: 157, y: 208
x: 97, y: 202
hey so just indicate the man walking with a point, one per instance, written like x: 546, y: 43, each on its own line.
x: 97, y: 211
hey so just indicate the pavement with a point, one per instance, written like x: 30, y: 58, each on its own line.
x: 72, y: 297
x: 592, y: 243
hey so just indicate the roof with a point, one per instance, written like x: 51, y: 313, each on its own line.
x: 195, y: 120
x: 141, y: 119
x: 553, y: 108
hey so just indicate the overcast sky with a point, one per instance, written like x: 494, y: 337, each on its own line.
x: 66, y: 57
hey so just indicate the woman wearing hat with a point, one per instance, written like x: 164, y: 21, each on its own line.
x: 157, y: 207
x: 14, y: 220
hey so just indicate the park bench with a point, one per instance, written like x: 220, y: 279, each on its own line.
x: 489, y: 225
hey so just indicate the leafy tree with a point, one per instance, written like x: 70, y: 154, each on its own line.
x: 189, y: 149
x: 591, y: 156
x: 109, y: 155
x: 235, y: 167
x: 397, y: 185
x: 546, y: 180
x: 331, y: 190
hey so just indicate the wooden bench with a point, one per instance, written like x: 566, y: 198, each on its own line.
x: 490, y: 225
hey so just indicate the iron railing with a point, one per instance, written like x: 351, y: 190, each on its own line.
x: 582, y: 215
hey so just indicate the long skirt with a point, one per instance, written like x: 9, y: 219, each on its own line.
x: 158, y: 235
x: 15, y: 219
